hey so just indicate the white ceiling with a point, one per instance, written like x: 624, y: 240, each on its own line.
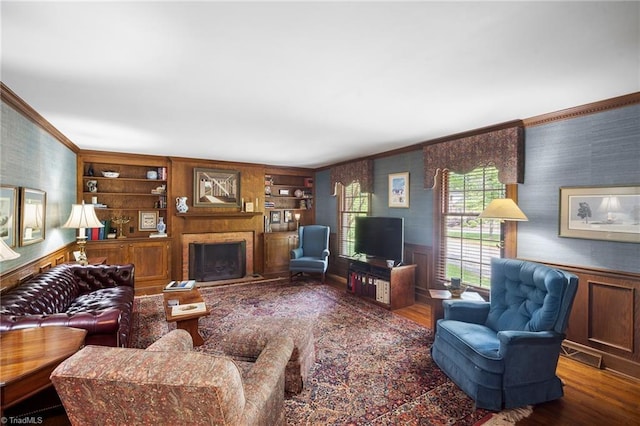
x: 308, y: 83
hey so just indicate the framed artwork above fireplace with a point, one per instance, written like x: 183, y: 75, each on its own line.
x: 216, y: 188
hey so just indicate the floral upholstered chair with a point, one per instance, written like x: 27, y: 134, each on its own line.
x: 168, y: 383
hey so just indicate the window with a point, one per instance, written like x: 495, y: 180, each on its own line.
x: 467, y: 243
x: 352, y: 203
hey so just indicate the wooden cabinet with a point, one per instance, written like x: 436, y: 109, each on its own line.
x: 137, y: 193
x: 150, y: 257
x: 277, y: 248
x: 391, y: 288
x: 285, y: 196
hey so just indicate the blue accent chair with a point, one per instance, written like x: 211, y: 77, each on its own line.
x: 504, y: 353
x: 312, y: 254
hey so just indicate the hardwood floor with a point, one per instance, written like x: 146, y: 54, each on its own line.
x: 591, y: 396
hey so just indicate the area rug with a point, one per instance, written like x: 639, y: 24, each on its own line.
x: 372, y: 367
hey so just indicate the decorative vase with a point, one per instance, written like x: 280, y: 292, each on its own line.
x: 92, y: 185
x: 161, y: 227
x: 181, y: 204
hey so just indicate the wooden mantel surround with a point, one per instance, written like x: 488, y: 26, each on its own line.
x: 217, y: 237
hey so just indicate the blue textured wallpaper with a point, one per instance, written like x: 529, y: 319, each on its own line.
x: 598, y: 149
x: 30, y: 157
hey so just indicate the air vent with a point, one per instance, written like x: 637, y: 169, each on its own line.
x: 582, y: 356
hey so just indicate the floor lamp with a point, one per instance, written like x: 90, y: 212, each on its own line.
x: 82, y: 216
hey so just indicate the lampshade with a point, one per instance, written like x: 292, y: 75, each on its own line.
x: 82, y: 216
x: 503, y: 209
x: 6, y: 253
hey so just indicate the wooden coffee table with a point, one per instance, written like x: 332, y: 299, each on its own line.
x: 187, y: 322
x: 29, y: 356
x: 435, y: 302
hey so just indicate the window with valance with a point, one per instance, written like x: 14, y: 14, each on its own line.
x: 502, y: 148
x: 356, y: 171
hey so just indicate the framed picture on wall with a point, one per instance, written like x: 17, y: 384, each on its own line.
x: 275, y: 217
x: 33, y: 208
x: 8, y: 216
x: 610, y: 213
x: 288, y: 216
x: 399, y: 190
x: 216, y: 188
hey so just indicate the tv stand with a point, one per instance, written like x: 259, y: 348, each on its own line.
x: 372, y: 279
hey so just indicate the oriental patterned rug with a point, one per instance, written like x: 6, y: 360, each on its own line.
x: 372, y: 367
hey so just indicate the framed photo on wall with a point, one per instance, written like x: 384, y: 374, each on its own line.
x: 147, y: 221
x: 399, y: 190
x: 8, y: 216
x: 33, y: 208
x: 288, y: 216
x: 216, y: 188
x: 610, y: 213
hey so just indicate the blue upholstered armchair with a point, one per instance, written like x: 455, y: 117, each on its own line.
x: 312, y: 254
x: 504, y: 353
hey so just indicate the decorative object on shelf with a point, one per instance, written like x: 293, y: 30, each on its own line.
x: 110, y: 174
x: 297, y: 216
x: 82, y: 216
x: 216, y: 188
x: 152, y: 174
x: 8, y: 214
x: 92, y: 185
x: 181, y: 204
x: 161, y: 227
x: 6, y: 253
x: 303, y: 204
x: 275, y: 217
x: 288, y: 216
x: 391, y: 263
x: 90, y: 171
x: 248, y: 207
x: 283, y: 192
x: 147, y: 221
x: 298, y: 193
x: 32, y: 216
x: 609, y: 213
x: 399, y: 190
x: 267, y: 190
x: 120, y: 221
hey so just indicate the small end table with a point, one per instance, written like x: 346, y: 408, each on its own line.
x: 435, y: 302
x: 188, y: 322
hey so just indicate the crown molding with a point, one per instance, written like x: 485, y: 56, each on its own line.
x: 10, y: 98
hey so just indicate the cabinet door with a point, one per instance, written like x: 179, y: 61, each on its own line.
x: 116, y: 252
x: 277, y: 246
x: 151, y: 260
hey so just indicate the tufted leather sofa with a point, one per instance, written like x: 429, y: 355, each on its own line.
x: 96, y: 298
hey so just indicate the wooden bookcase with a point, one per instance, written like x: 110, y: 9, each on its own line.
x: 285, y: 195
x: 277, y: 249
x: 391, y: 288
x: 129, y: 195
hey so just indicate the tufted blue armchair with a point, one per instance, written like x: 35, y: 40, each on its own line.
x: 312, y: 254
x: 504, y: 353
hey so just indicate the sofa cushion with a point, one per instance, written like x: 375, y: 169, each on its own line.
x: 115, y: 297
x: 48, y: 293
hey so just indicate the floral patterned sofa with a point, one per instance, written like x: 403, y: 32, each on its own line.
x: 169, y: 383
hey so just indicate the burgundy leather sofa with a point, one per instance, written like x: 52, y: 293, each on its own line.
x: 96, y: 298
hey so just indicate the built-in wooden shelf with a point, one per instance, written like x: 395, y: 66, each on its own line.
x: 238, y: 215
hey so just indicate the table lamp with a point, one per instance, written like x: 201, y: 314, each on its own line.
x: 6, y: 253
x: 297, y: 216
x: 82, y: 216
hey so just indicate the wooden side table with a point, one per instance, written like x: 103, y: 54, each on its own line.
x: 29, y: 356
x: 188, y: 322
x: 435, y: 302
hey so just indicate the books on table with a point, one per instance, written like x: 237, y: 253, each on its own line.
x: 180, y: 285
x: 188, y: 309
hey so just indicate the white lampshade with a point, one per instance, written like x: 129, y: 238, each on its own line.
x: 503, y: 209
x: 82, y: 216
x: 6, y: 253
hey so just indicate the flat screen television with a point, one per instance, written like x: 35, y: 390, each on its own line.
x: 381, y: 237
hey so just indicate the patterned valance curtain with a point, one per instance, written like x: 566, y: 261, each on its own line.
x: 503, y: 149
x: 357, y: 171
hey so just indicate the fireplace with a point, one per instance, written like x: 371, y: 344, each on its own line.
x: 217, y: 261
x: 246, y: 237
